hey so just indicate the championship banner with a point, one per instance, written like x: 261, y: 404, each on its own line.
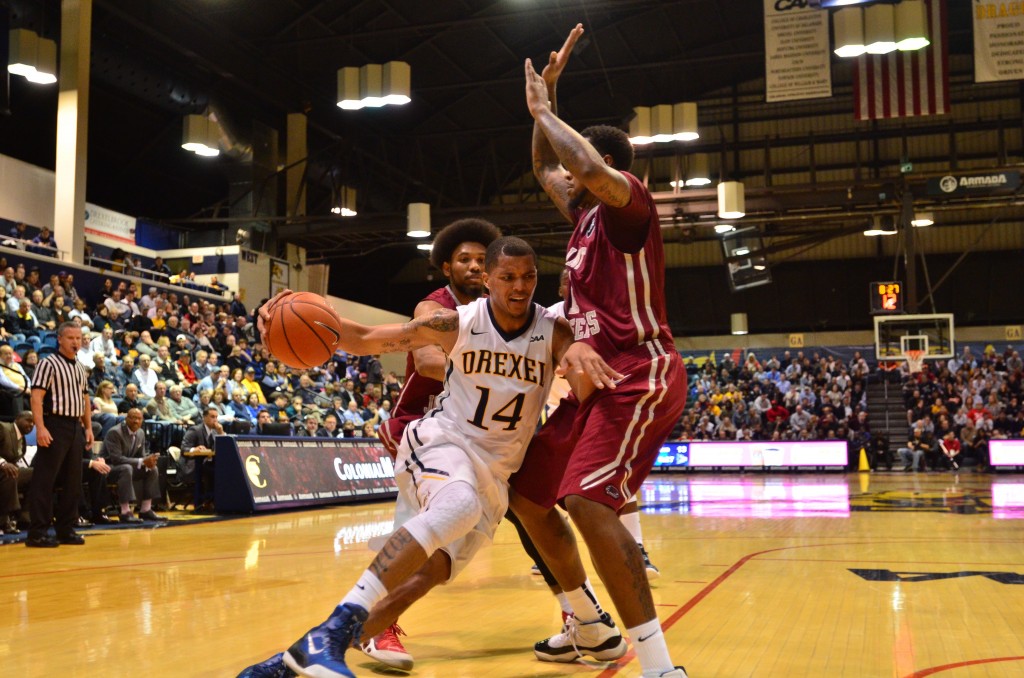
x: 998, y: 41
x: 261, y: 473
x: 100, y: 221
x: 797, y: 55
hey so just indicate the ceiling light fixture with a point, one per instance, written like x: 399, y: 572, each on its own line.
x: 880, y: 29
x: 346, y: 202
x: 922, y: 219
x: 738, y: 323
x: 882, y: 225
x: 199, y: 134
x: 697, y: 172
x: 848, y: 32
x: 911, y: 26
x: 731, y: 200
x: 418, y: 224
x: 374, y: 85
x: 663, y: 123
x: 32, y: 57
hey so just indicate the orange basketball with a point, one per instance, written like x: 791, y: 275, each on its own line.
x: 303, y: 330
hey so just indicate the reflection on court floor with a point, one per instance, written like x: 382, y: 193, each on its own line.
x: 862, y: 575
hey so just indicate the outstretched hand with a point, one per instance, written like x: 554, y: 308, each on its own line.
x: 558, y: 60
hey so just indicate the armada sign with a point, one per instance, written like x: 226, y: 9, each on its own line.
x: 953, y: 184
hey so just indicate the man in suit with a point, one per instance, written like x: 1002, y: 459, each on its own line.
x: 125, y: 450
x: 15, y: 474
x: 198, y: 442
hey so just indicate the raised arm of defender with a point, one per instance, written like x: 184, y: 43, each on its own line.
x: 556, y: 145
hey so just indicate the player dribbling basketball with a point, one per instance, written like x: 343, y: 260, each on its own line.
x: 453, y: 464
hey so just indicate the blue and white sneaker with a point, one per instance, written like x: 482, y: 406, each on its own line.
x: 321, y: 652
x: 272, y: 668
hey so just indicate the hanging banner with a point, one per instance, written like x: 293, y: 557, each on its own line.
x: 797, y: 56
x: 100, y: 221
x: 998, y: 41
x: 279, y: 275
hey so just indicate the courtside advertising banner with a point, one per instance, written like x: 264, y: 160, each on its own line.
x: 297, y: 471
x: 753, y: 454
x: 797, y: 62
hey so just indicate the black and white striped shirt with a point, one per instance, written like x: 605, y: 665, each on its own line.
x: 65, y: 382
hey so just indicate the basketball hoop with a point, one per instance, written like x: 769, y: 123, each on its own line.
x: 915, y: 360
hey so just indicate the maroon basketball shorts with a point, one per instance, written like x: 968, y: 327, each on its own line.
x: 604, y: 448
x: 390, y: 432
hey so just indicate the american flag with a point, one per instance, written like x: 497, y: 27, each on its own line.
x: 906, y: 84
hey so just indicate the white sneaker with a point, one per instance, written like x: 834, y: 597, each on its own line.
x: 599, y: 639
x: 386, y: 648
x: 677, y: 672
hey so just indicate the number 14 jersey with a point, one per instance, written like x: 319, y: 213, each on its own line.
x: 494, y: 389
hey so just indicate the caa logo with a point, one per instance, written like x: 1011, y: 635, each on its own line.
x: 783, y: 5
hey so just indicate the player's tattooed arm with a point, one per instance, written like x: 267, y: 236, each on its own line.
x: 441, y: 320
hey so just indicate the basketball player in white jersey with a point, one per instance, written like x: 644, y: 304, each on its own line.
x: 453, y: 464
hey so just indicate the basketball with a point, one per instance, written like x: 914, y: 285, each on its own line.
x: 303, y: 330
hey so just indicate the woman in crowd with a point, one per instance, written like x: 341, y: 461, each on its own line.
x: 29, y: 362
x: 253, y: 406
x: 104, y: 409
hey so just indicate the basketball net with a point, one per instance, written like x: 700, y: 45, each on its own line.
x: 915, y: 361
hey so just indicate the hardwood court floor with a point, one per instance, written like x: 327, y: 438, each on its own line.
x: 762, y: 575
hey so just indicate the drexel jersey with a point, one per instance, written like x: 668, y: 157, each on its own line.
x: 616, y: 299
x: 495, y: 387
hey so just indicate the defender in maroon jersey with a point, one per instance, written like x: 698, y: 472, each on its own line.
x: 592, y: 458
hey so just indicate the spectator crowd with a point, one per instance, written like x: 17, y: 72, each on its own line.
x: 797, y: 397
x: 955, y: 407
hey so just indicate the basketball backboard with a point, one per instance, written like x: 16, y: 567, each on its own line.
x: 931, y: 332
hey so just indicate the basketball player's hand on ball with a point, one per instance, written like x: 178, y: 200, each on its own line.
x: 586, y: 371
x: 264, y: 312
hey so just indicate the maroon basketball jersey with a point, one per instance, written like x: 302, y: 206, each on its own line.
x: 415, y: 398
x: 617, y: 299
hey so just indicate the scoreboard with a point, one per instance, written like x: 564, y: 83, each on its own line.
x: 886, y: 296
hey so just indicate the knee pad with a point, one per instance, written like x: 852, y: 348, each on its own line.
x: 450, y: 515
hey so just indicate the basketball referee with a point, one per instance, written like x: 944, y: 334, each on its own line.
x: 63, y: 418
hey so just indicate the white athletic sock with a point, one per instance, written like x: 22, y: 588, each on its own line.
x: 367, y: 591
x: 584, y: 603
x: 631, y: 521
x: 649, y: 645
x: 563, y: 600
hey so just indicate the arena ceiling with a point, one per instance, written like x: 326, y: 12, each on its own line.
x: 462, y: 145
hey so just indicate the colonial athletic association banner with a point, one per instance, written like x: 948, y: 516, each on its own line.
x: 262, y: 473
x: 797, y: 57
